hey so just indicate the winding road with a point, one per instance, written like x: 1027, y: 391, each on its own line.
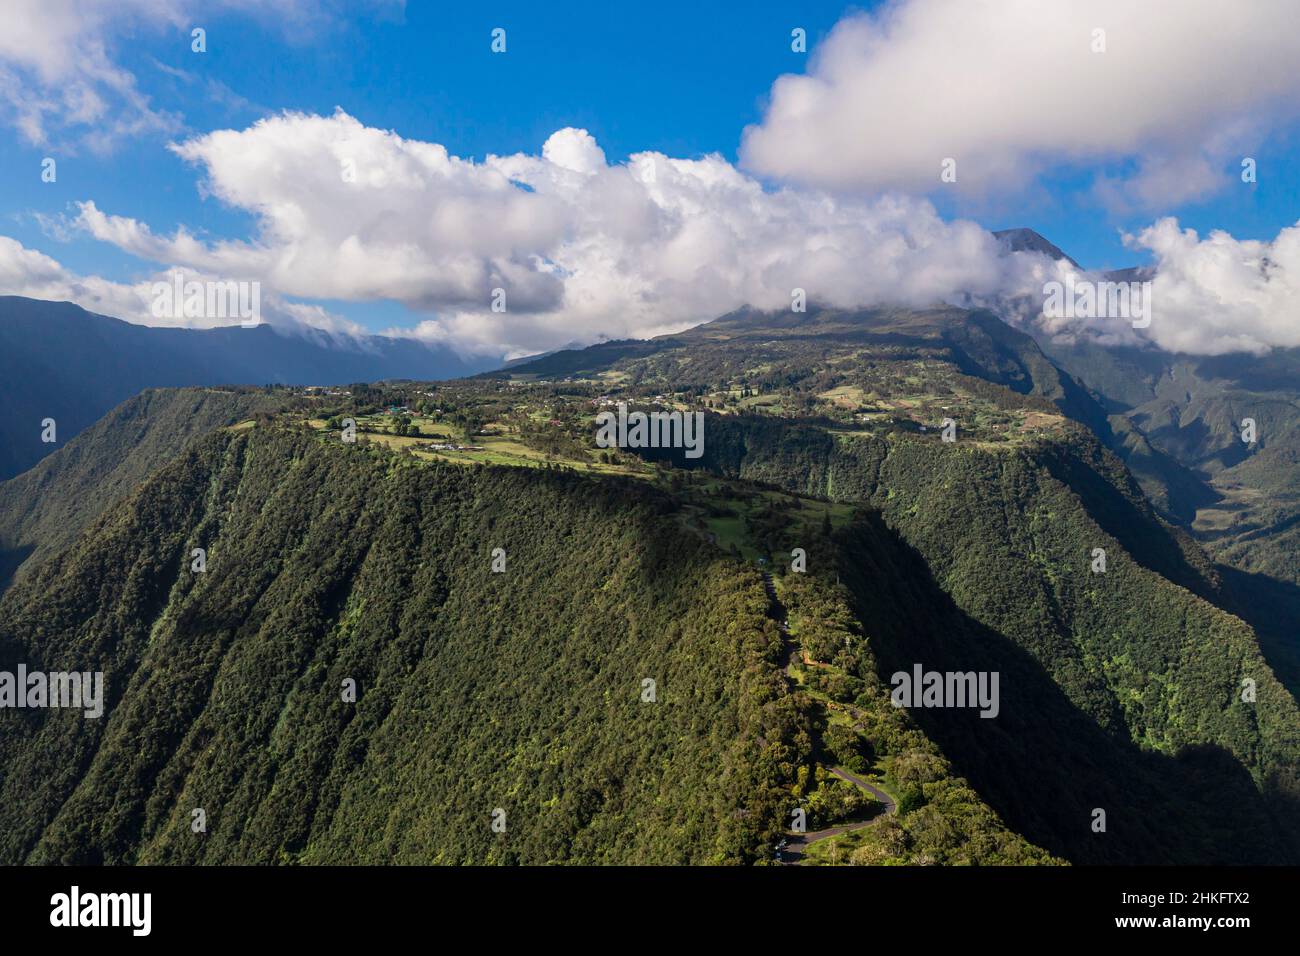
x: 797, y: 844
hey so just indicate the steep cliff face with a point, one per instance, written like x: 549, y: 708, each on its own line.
x: 1123, y: 687
x: 474, y: 691
x: 349, y: 679
x: 627, y: 688
x: 45, y: 508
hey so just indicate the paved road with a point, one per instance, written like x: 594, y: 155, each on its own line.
x: 797, y: 843
x: 884, y: 798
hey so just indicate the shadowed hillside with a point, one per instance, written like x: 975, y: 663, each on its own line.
x: 44, y: 509
x: 520, y: 690
x: 59, y: 361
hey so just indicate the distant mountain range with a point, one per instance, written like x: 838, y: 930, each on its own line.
x: 1178, y: 420
x: 59, y: 361
x: 1174, y: 419
x: 330, y: 562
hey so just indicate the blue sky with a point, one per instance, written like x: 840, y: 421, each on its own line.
x: 682, y: 79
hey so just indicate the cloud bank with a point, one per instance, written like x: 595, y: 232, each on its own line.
x: 1005, y: 87
x: 828, y: 197
x: 1218, y: 294
x: 581, y: 248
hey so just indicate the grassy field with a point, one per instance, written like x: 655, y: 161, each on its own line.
x: 503, y: 448
x: 724, y: 511
x: 844, y: 396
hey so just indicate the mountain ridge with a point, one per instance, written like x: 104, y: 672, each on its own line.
x: 65, y: 363
x: 823, y: 435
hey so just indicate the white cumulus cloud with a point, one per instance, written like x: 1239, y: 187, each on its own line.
x: 584, y: 250
x: 581, y: 248
x: 1009, y: 87
x: 1218, y: 294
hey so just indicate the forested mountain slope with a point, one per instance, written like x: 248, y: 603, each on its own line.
x: 44, y: 509
x: 1179, y: 422
x: 1118, y: 668
x: 1092, y: 663
x: 951, y: 516
x: 60, y: 362
x: 475, y: 691
x: 1240, y: 498
x: 522, y: 690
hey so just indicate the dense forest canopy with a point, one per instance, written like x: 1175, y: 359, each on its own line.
x: 877, y: 491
